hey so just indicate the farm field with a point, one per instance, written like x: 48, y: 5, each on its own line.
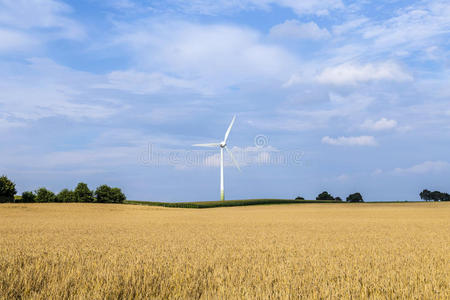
x: 316, y: 251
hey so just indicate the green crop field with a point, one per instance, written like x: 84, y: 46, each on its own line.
x: 228, y: 203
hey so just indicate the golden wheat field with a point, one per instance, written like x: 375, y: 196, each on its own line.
x: 316, y: 251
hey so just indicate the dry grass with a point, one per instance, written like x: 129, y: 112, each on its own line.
x: 94, y: 251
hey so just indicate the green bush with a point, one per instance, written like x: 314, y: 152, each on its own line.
x: 28, y: 197
x: 66, y: 196
x: 356, y: 197
x: 299, y: 198
x: 106, y: 194
x: 83, y: 193
x: 7, y: 190
x: 324, y: 196
x: 338, y: 199
x: 44, y: 195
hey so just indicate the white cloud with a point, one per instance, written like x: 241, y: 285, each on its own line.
x: 6, y: 124
x: 425, y: 167
x: 145, y: 83
x: 28, y: 14
x: 350, y: 141
x: 343, y: 177
x: 381, y: 124
x: 12, y: 40
x: 212, y: 7
x: 377, y: 172
x: 42, y: 88
x: 217, y: 56
x: 349, y: 26
x: 351, y: 74
x: 412, y: 27
x: 293, y: 29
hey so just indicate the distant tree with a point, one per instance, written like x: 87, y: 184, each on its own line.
x: 83, y: 193
x: 66, y: 196
x: 436, y: 195
x: 446, y: 197
x: 106, y: 194
x: 118, y: 196
x: 44, y: 195
x: 425, y: 195
x: 338, y: 199
x: 28, y: 197
x: 356, y: 197
x: 7, y: 189
x: 324, y: 196
x: 299, y: 198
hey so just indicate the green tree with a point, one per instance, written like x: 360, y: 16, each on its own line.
x: 446, y: 197
x: 106, y: 194
x: 436, y: 195
x: 324, y: 196
x: 118, y: 196
x: 66, y: 196
x: 83, y: 193
x: 28, y: 197
x: 299, y: 198
x: 44, y: 195
x: 356, y: 197
x: 425, y: 195
x: 338, y: 199
x: 7, y: 190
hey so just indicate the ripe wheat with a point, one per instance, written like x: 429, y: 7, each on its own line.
x: 316, y: 251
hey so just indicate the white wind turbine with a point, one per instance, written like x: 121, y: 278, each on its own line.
x: 222, y: 145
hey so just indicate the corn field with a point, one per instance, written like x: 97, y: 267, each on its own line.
x: 308, y: 251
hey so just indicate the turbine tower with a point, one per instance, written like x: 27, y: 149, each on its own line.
x: 222, y: 145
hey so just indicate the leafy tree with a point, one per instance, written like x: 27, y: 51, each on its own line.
x: 106, y: 194
x: 338, y: 199
x: 356, y: 197
x: 103, y: 194
x: 118, y: 196
x: 83, y: 193
x: 299, y: 198
x: 28, y: 197
x: 7, y: 189
x: 446, y: 197
x: 66, y: 196
x: 434, y: 196
x: 44, y: 195
x: 425, y: 195
x: 324, y: 196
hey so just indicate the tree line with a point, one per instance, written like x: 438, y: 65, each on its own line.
x: 355, y: 197
x: 81, y: 193
x: 434, y: 196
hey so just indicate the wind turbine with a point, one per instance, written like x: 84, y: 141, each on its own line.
x: 222, y: 145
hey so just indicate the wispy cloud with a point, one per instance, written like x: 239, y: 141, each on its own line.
x: 218, y: 56
x: 350, y: 141
x: 381, y: 124
x: 425, y: 167
x: 211, y: 7
x: 41, y: 14
x: 293, y: 29
x: 352, y: 74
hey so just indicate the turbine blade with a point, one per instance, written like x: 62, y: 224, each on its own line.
x: 232, y: 158
x: 228, y: 130
x: 207, y: 145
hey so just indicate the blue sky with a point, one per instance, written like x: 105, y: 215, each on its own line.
x: 339, y: 96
